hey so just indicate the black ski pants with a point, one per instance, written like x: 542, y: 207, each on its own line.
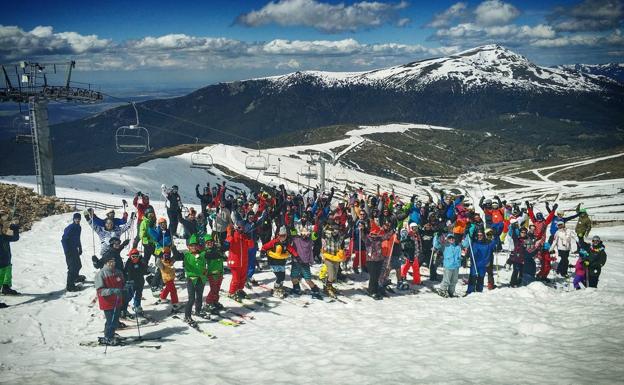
x: 195, y: 294
x: 73, y: 267
x: 562, y: 267
x: 374, y: 272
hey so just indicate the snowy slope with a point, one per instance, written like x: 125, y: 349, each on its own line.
x: 531, y: 335
x: 476, y: 68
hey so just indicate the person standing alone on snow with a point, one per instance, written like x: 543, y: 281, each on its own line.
x: 73, y: 250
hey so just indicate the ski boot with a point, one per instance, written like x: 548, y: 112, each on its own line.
x: 6, y: 290
x: 278, y: 291
x: 296, y: 290
x: 242, y: 295
x: 316, y: 293
x: 356, y: 271
x: 191, y: 322
x: 96, y: 262
x: 212, y: 308
x: 403, y: 285
x: 81, y: 279
x: 331, y: 290
x: 3, y: 305
x: 138, y: 310
x: 176, y: 307
x: 219, y: 306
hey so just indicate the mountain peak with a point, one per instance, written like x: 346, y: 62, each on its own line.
x: 491, y: 53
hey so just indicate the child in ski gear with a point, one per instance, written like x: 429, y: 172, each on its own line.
x: 480, y: 250
x: 411, y: 246
x: 161, y: 236
x: 72, y: 249
x: 113, y: 250
x: 584, y: 224
x: 141, y: 207
x: 110, y: 215
x: 239, y: 244
x: 167, y: 271
x: 375, y: 259
x: 9, y: 232
x: 451, y: 253
x: 516, y: 257
x: 302, y: 260
x: 278, y: 250
x: 333, y: 253
x: 562, y: 242
x: 109, y: 283
x: 594, y: 258
x: 135, y: 270
x: 214, y: 260
x: 195, y: 268
x: 532, y: 246
x: 579, y: 274
x: 358, y: 242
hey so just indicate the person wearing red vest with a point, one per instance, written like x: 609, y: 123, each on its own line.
x: 109, y: 283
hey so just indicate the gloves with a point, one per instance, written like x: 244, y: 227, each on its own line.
x: 139, y: 193
x: 163, y: 187
x: 125, y: 243
x: 125, y: 202
x: 555, y: 206
x: 133, y: 215
x: 197, y: 186
x: 586, y: 263
x: 116, y: 291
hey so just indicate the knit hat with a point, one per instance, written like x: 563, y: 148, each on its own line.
x: 208, y: 238
x: 193, y: 240
x: 76, y: 216
x: 113, y: 240
x: 161, y: 220
x: 134, y: 251
x: 596, y: 238
x: 282, y: 231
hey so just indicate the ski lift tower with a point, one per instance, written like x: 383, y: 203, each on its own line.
x: 31, y: 86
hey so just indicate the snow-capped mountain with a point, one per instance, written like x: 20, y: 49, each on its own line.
x: 610, y: 70
x: 474, y: 69
x: 471, y: 90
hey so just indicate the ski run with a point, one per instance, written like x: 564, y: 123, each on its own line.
x: 540, y: 332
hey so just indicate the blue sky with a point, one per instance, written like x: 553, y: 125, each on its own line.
x: 153, y: 44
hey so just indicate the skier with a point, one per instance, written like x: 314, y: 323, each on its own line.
x: 195, y: 269
x: 411, y: 246
x: 174, y: 207
x: 141, y: 207
x: 214, y: 259
x: 278, y: 250
x: 481, y: 250
x: 562, y: 242
x: 541, y: 223
x: 110, y: 215
x: 301, y: 262
x: 8, y: 234
x: 222, y: 220
x: 452, y: 261
x: 333, y: 254
x: 109, y: 283
x: 161, y: 237
x: 584, y: 224
x: 594, y: 258
x: 516, y: 257
x: 167, y: 272
x: 72, y: 249
x: 135, y: 270
x: 375, y: 259
x: 239, y: 244
x: 205, y: 198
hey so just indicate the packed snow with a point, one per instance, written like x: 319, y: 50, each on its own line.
x: 480, y: 67
x: 531, y: 335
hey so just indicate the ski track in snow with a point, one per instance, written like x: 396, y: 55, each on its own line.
x: 530, y: 335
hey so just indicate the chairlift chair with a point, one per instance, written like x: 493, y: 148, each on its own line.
x: 201, y: 159
x: 309, y: 171
x: 272, y: 170
x: 256, y: 162
x: 132, y: 139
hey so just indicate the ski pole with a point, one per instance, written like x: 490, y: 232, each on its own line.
x: 136, y: 317
x: 473, y: 260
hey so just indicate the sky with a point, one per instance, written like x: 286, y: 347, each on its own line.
x: 162, y: 44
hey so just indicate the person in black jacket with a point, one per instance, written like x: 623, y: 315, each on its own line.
x: 73, y: 250
x: 205, y: 199
x: 135, y: 271
x: 174, y: 207
x: 594, y: 258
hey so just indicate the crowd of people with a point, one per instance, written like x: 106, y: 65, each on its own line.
x: 368, y: 236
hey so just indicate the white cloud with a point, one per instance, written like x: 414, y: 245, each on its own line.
x: 565, y: 41
x: 446, y: 18
x: 329, y: 18
x: 315, y: 47
x: 588, y: 15
x: 495, y: 12
x: 15, y: 43
x: 290, y: 64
